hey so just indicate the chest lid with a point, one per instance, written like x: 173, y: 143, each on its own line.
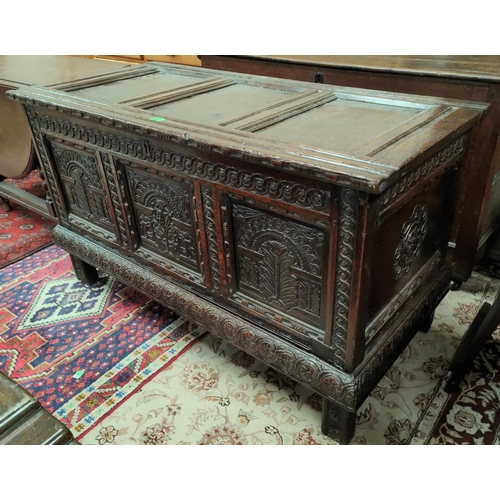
x: 361, y: 138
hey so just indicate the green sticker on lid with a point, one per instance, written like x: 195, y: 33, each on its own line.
x: 157, y: 119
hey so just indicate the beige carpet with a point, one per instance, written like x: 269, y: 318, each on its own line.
x: 216, y: 394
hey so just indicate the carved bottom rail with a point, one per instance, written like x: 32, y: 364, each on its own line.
x: 343, y: 393
x: 302, y: 366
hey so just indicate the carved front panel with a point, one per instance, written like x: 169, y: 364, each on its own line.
x: 83, y: 188
x: 279, y: 262
x: 163, y: 213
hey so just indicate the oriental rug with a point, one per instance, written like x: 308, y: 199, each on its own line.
x: 82, y: 350
x: 216, y: 394
x: 23, y: 232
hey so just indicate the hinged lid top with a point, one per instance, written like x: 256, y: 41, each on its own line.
x: 354, y: 137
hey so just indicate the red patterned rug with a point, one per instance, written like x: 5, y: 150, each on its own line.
x: 23, y: 232
x: 82, y: 350
x: 471, y: 415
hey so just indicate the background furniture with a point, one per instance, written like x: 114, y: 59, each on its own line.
x: 190, y: 60
x: 460, y: 77
x: 307, y: 224
x: 17, y: 155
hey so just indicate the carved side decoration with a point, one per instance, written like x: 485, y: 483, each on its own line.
x: 345, y: 251
x: 304, y: 367
x: 48, y: 173
x: 164, y: 217
x: 208, y: 213
x: 412, y: 236
x: 279, y: 261
x: 410, y: 180
x: 82, y: 185
x: 290, y: 192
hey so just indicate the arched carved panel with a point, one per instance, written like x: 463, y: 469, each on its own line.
x: 82, y: 185
x: 163, y: 213
x: 279, y: 262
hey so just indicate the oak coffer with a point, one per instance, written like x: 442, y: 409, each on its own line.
x: 306, y: 224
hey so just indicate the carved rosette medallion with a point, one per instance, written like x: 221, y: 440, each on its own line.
x: 412, y: 236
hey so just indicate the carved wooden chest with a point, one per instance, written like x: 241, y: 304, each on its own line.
x: 306, y: 224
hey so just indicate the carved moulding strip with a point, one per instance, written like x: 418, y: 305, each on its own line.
x: 115, y: 200
x: 299, y: 365
x: 389, y: 346
x: 410, y: 180
x: 209, y: 216
x: 80, y: 224
x: 168, y: 265
x: 48, y: 173
x: 343, y: 274
x: 142, y: 149
x: 304, y: 330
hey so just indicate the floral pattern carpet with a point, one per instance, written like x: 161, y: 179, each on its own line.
x: 215, y: 394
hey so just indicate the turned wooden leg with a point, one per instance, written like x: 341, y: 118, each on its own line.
x: 426, y: 323
x: 337, y: 423
x: 84, y: 272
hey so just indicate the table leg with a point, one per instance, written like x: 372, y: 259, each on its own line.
x: 4, y: 202
x: 337, y: 423
x: 479, y: 332
x: 84, y: 272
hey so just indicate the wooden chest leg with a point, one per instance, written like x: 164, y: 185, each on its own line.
x: 84, y: 272
x: 337, y: 423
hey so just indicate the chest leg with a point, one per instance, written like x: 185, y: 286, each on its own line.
x: 337, y: 423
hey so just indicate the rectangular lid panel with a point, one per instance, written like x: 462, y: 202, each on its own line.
x: 134, y: 87
x: 342, y: 125
x: 219, y: 106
